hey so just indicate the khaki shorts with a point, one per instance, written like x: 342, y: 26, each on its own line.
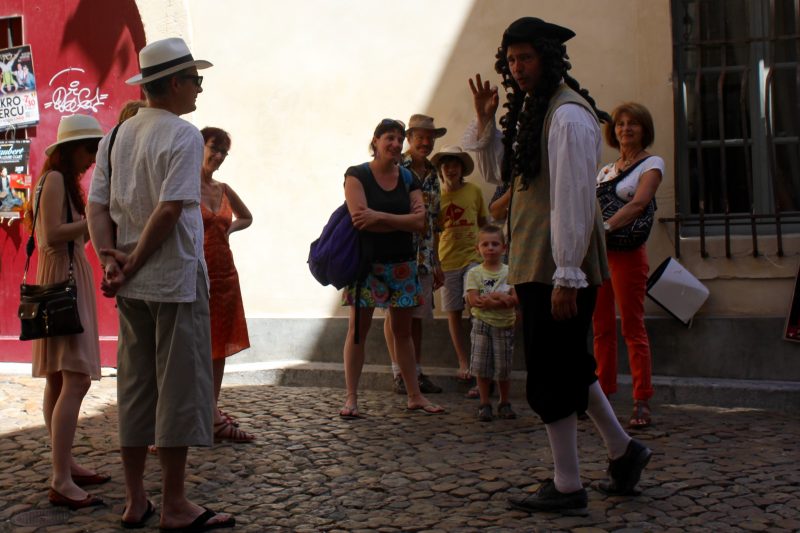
x: 453, y: 288
x: 166, y: 347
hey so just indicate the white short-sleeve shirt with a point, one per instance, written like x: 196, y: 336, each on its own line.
x: 626, y: 188
x: 157, y: 157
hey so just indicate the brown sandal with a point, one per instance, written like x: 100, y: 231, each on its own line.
x: 225, y: 431
x: 640, y: 418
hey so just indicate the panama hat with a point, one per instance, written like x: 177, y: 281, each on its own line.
x: 526, y: 29
x: 76, y: 128
x: 458, y: 153
x: 165, y: 57
x: 424, y: 122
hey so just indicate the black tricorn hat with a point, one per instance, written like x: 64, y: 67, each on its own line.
x: 526, y: 29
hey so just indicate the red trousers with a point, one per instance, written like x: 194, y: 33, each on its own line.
x: 627, y: 286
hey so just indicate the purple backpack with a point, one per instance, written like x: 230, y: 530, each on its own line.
x: 335, y: 257
x: 339, y: 257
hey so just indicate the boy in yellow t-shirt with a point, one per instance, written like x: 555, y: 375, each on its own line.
x: 461, y: 213
x: 492, y: 301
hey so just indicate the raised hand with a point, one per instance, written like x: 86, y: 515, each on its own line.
x: 485, y: 98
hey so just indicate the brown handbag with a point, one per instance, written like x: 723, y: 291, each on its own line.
x: 48, y: 310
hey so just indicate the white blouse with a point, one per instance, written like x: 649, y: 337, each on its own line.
x: 626, y: 188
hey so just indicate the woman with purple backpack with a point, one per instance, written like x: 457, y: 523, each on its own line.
x: 386, y: 206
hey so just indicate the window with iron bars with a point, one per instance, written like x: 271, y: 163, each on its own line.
x: 737, y: 115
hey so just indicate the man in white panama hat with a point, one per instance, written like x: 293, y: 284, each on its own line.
x: 158, y: 274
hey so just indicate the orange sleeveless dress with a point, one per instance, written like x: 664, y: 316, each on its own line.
x: 228, y: 326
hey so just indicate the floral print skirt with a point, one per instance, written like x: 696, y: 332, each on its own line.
x: 387, y: 285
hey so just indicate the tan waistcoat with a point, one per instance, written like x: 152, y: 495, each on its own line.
x: 531, y: 255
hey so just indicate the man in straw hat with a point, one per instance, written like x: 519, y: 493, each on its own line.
x: 421, y: 135
x: 158, y: 274
x: 550, y: 149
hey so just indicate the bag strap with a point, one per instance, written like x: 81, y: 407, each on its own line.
x: 627, y: 171
x: 31, y: 245
x: 110, y: 146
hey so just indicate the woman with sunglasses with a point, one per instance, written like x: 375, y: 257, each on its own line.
x: 223, y: 213
x: 386, y: 205
x: 69, y: 363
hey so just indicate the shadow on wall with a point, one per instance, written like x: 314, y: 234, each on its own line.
x: 117, y: 18
x: 322, y: 339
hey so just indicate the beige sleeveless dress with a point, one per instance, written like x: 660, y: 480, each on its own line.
x: 75, y: 353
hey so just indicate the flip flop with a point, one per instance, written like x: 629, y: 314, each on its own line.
x: 201, y: 524
x: 428, y: 409
x: 349, y: 413
x: 142, y: 522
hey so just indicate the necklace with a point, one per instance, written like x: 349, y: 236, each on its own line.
x: 629, y: 161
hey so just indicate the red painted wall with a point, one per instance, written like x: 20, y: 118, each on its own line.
x: 89, y: 47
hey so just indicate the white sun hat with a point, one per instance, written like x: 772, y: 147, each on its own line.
x: 165, y: 57
x: 76, y: 128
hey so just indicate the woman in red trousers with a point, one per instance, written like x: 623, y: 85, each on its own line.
x: 637, y: 175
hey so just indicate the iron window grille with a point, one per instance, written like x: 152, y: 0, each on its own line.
x: 737, y: 115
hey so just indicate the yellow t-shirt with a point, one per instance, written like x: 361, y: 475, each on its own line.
x: 485, y: 281
x: 460, y: 216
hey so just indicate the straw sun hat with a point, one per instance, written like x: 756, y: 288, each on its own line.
x: 76, y: 128
x: 165, y: 57
x: 458, y: 153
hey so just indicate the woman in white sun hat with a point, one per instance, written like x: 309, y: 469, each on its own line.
x: 69, y: 363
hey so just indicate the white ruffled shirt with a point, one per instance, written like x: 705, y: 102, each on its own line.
x: 573, y: 147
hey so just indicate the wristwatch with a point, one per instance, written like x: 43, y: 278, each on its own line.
x: 606, y: 226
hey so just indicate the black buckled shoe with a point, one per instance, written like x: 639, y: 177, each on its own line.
x: 549, y: 500
x: 624, y: 473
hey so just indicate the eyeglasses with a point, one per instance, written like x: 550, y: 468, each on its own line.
x: 198, y: 80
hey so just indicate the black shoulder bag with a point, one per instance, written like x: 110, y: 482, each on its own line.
x: 634, y: 234
x: 48, y: 310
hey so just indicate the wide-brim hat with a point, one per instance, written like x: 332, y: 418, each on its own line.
x: 458, y: 153
x: 165, y: 57
x: 526, y: 29
x: 424, y: 122
x: 76, y: 128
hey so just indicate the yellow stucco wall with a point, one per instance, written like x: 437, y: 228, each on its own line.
x: 301, y: 85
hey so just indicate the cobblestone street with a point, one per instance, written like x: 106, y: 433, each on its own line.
x: 713, y: 469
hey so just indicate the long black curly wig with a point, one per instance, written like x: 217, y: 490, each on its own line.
x: 522, y: 124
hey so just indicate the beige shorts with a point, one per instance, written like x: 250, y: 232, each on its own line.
x: 166, y: 347
x: 453, y: 288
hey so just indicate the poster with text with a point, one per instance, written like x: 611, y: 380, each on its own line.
x: 19, y: 106
x: 15, y: 178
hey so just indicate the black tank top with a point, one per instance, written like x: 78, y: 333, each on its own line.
x: 393, y: 246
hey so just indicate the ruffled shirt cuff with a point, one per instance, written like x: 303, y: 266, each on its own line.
x: 473, y: 140
x: 570, y: 277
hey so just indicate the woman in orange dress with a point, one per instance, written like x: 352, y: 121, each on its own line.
x: 223, y: 213
x: 68, y: 362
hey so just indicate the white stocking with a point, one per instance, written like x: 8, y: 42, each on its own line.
x: 563, y: 437
x: 601, y: 413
